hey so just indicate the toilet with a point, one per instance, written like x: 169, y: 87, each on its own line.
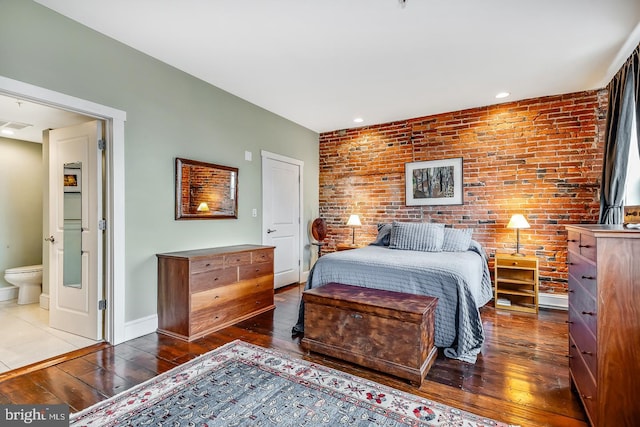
x: 28, y: 279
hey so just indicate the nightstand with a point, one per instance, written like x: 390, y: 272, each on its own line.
x: 516, y: 283
x: 345, y: 246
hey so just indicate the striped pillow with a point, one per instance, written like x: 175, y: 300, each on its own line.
x: 457, y: 240
x: 417, y: 236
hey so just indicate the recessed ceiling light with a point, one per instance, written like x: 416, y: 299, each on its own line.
x: 358, y: 120
x: 7, y: 131
x: 502, y: 95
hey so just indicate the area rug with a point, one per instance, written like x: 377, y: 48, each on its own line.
x: 240, y: 384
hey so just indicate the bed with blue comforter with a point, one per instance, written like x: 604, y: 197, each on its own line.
x: 460, y: 280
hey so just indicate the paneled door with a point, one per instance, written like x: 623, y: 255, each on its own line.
x: 281, y: 183
x: 75, y: 236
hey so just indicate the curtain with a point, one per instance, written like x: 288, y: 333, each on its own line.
x: 624, y: 103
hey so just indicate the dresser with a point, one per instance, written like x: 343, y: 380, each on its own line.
x: 604, y: 321
x: 203, y: 290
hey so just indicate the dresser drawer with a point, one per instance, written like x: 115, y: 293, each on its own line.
x: 210, y: 279
x: 258, y: 257
x: 234, y: 260
x: 255, y: 270
x: 573, y: 241
x: 585, y: 343
x: 583, y: 272
x: 206, y: 264
x: 584, y: 382
x: 582, y: 309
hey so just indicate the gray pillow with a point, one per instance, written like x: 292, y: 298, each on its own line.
x: 384, y: 235
x: 457, y: 240
x: 417, y: 236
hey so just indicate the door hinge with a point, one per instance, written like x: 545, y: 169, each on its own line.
x: 102, y: 304
x: 102, y: 224
x: 102, y: 144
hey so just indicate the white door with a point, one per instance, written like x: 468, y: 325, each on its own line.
x: 75, y: 256
x: 281, y: 217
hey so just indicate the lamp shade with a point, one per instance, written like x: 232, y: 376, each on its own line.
x: 518, y: 221
x: 203, y: 207
x: 354, y: 220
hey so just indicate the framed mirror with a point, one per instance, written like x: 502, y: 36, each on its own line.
x: 205, y: 190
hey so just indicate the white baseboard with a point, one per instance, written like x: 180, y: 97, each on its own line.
x: 8, y: 293
x: 44, y: 301
x: 554, y: 301
x: 139, y: 327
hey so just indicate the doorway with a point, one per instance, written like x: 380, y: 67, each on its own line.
x: 114, y: 331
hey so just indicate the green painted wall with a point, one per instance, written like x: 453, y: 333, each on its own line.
x: 20, y: 204
x: 169, y: 114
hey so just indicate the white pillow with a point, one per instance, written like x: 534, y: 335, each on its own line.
x: 417, y: 236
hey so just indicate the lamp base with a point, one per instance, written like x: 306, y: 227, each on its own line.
x: 517, y: 254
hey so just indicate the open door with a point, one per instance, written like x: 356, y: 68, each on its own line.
x: 75, y: 222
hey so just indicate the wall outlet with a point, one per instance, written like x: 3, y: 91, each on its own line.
x: 254, y: 212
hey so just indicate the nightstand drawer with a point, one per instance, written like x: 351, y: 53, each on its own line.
x: 516, y: 262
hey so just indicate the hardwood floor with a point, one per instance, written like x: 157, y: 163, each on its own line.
x: 521, y: 377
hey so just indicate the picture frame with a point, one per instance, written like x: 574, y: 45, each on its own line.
x: 72, y: 180
x: 434, y: 182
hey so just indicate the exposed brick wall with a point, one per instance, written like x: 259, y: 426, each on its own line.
x: 540, y: 157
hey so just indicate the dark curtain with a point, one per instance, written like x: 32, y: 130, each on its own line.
x: 624, y: 103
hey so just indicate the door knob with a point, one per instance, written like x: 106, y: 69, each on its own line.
x: 50, y: 239
x: 271, y: 231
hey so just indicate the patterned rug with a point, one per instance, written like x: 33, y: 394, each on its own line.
x: 240, y: 384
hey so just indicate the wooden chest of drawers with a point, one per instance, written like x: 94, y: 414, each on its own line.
x: 387, y: 331
x: 203, y: 290
x: 604, y: 321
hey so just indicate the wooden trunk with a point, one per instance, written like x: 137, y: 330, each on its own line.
x: 201, y: 291
x: 387, y: 331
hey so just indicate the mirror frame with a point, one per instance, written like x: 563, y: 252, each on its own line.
x: 180, y: 215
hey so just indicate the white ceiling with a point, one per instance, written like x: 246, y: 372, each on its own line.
x: 322, y: 63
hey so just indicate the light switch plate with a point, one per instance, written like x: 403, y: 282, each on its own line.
x: 248, y: 155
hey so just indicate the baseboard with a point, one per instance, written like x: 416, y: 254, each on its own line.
x: 139, y: 327
x: 44, y: 301
x: 553, y: 301
x: 8, y: 293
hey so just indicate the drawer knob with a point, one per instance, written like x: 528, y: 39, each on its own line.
x: 573, y: 240
x: 589, y: 277
x: 207, y: 265
x: 584, y: 246
x: 587, y: 353
x: 514, y: 263
x: 589, y: 313
x: 568, y: 322
x: 584, y: 396
x: 356, y: 316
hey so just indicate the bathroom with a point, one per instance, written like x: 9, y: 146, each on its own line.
x: 24, y: 328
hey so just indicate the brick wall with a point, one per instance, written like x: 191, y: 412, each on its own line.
x: 540, y: 157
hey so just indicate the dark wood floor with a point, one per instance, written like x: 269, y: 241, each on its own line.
x: 521, y: 376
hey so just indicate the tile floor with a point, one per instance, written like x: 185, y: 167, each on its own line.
x: 25, y: 336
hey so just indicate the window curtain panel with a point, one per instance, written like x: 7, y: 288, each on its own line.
x: 624, y: 103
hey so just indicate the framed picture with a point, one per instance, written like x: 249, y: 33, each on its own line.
x: 436, y: 182
x: 72, y: 179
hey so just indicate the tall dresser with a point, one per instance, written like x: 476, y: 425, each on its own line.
x: 203, y: 290
x: 604, y: 321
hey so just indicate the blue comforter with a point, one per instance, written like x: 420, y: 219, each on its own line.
x: 460, y: 280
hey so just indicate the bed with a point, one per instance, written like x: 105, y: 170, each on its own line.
x: 459, y: 278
